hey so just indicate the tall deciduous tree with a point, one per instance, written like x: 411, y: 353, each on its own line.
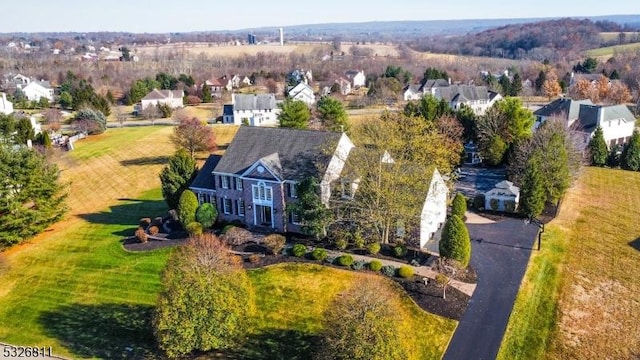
x: 630, y: 158
x: 194, y: 135
x: 177, y: 176
x: 598, y: 148
x: 295, y: 114
x: 455, y: 242
x: 333, y: 115
x: 32, y: 195
x: 207, y: 299
x: 362, y: 324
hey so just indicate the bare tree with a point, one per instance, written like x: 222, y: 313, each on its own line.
x: 151, y: 113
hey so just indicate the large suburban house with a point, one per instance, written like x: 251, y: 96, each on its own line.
x: 563, y: 108
x: 251, y: 109
x: 256, y: 178
x: 418, y: 91
x: 616, y: 121
x: 172, y: 98
x: 216, y: 86
x: 302, y: 92
x: 33, y: 89
x: 478, y: 98
x: 356, y: 77
x: 6, y: 106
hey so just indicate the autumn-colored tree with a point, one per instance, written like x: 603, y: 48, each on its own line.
x: 194, y: 135
x: 619, y: 93
x: 602, y: 87
x: 551, y: 88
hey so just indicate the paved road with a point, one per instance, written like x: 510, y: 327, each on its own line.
x: 500, y: 260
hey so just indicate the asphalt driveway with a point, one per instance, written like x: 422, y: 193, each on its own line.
x: 500, y: 260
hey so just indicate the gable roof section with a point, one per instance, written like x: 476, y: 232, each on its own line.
x: 504, y: 188
x: 254, y: 101
x: 295, y: 90
x: 205, y: 179
x: 299, y: 153
x: 433, y: 83
x: 156, y: 94
x: 462, y: 93
x: 569, y: 108
x: 593, y: 115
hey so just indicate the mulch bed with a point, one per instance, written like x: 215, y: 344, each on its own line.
x: 429, y: 298
x: 132, y: 244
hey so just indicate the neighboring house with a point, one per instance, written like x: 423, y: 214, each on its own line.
x: 302, y: 92
x: 434, y: 210
x: 592, y: 78
x: 246, y: 81
x: 216, y: 86
x: 478, y: 98
x: 345, y: 86
x: 251, y: 109
x: 412, y: 92
x: 563, y: 108
x: 616, y: 121
x: 235, y: 81
x: 357, y: 78
x: 6, y: 106
x: 472, y: 154
x: 430, y: 85
x: 173, y: 98
x: 504, y: 196
x: 35, y: 90
x: 256, y: 178
x: 226, y: 83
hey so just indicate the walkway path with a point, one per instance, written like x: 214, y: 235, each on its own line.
x: 500, y: 260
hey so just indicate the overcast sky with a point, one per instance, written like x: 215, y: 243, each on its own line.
x: 159, y: 16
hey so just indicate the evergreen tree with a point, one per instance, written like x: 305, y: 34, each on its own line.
x: 532, y: 193
x: 540, y: 80
x: 206, y: 94
x: 598, y: 148
x: 295, y: 114
x: 630, y: 158
x: 177, y: 176
x: 459, y: 205
x: 32, y: 196
x: 92, y: 121
x: 315, y: 216
x: 187, y: 206
x: 516, y: 85
x: 505, y: 85
x: 455, y: 242
x: 332, y: 114
x: 206, y: 215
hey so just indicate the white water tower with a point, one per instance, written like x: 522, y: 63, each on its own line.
x: 281, y: 37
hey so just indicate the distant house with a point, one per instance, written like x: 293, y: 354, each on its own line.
x: 256, y: 178
x: 216, y: 86
x: 173, y: 98
x: 246, y: 81
x: 356, y: 77
x: 345, y: 86
x: 235, y: 81
x: 563, y: 108
x: 412, y: 92
x: 226, y: 83
x: 478, y: 98
x: 616, y: 121
x: 503, y: 197
x: 6, y: 106
x: 302, y: 92
x: 35, y: 90
x: 251, y: 109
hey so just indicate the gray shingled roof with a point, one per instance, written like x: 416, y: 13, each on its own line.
x: 588, y: 118
x: 431, y: 83
x: 204, y: 179
x: 462, y: 93
x: 254, y: 101
x: 414, y: 88
x: 569, y: 108
x: 156, y: 94
x: 297, y: 153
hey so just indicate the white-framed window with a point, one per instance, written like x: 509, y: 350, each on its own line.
x: 240, y: 206
x: 293, y: 193
x: 224, y: 181
x: 238, y: 184
x: 262, y: 193
x: 294, y: 217
x: 226, y: 206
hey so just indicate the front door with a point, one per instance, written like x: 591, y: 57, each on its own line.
x: 264, y: 217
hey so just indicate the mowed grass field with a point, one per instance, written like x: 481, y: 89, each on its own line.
x: 76, y: 289
x: 581, y: 295
x: 195, y: 49
x: 609, y: 51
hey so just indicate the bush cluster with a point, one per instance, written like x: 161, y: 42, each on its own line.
x: 344, y: 260
x: 358, y: 240
x: 254, y: 258
x: 153, y: 230
x: 375, y: 265
x: 359, y: 265
x: 319, y: 254
x: 194, y: 228
x: 141, y: 235
x: 400, y: 250
x: 405, y: 271
x: 298, y: 250
x: 389, y: 270
x: 275, y: 242
x: 373, y: 248
x: 144, y: 222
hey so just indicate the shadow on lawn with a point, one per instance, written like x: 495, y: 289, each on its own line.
x: 107, y: 331
x: 272, y: 344
x: 635, y: 244
x: 149, y: 160
x: 128, y: 212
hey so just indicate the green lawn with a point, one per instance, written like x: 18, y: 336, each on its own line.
x: 612, y: 50
x: 581, y: 292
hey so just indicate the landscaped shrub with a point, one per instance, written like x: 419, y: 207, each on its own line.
x: 144, y: 222
x: 187, y: 206
x: 319, y: 254
x: 141, y: 235
x: 459, y: 205
x: 254, y: 258
x: 389, y: 270
x: 359, y: 265
x: 206, y: 215
x: 340, y: 244
x: 227, y: 228
x: 455, y: 242
x: 405, y: 271
x: 298, y: 250
x: 373, y: 248
x: 275, y: 242
x: 400, y: 250
x: 345, y: 260
x: 478, y: 201
x: 341, y: 238
x: 375, y: 265
x: 358, y: 240
x: 194, y: 228
x: 236, y: 236
x: 154, y: 230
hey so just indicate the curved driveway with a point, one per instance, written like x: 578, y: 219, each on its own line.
x: 500, y: 260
